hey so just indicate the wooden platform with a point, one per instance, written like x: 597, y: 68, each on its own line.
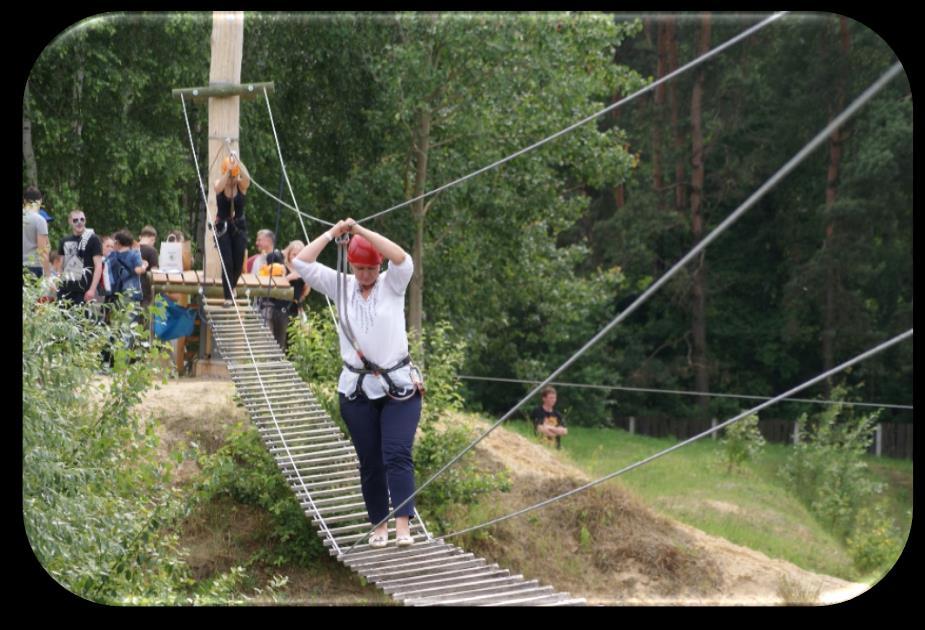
x: 190, y: 282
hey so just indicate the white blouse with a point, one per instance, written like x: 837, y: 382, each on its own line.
x: 378, y: 323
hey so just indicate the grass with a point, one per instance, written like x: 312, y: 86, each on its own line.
x: 750, y: 506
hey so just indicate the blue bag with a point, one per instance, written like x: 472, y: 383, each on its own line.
x: 177, y: 322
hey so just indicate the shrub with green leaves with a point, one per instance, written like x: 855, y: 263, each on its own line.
x: 827, y: 470
x: 875, y: 543
x: 742, y: 441
x: 97, y: 500
x: 244, y: 471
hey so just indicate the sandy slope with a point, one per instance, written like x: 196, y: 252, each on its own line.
x: 749, y: 576
x: 202, y: 410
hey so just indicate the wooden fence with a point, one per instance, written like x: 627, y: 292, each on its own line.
x: 890, y: 439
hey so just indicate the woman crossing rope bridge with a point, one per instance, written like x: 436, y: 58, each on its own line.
x: 380, y: 398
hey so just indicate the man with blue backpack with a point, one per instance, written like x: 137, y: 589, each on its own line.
x: 126, y: 267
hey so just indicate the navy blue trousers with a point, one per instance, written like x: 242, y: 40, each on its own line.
x: 382, y: 431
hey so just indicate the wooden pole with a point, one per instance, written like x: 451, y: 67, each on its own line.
x: 224, y: 112
x: 224, y: 117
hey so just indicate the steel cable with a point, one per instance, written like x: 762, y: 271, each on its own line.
x: 700, y: 246
x: 681, y: 392
x: 711, y: 53
x: 661, y: 453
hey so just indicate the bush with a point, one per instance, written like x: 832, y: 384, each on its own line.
x: 874, y: 544
x: 97, y: 501
x: 742, y: 441
x: 244, y: 470
x: 828, y: 472
x: 826, y: 469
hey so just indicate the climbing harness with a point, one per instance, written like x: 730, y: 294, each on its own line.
x: 345, y: 249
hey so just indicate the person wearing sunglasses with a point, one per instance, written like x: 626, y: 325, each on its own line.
x: 82, y: 266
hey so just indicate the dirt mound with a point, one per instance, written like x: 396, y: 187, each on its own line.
x: 604, y: 544
x: 610, y: 548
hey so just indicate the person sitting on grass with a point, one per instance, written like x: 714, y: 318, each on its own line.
x: 547, y: 422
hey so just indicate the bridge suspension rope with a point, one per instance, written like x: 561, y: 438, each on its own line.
x: 260, y: 378
x: 697, y: 61
x: 680, y: 392
x: 880, y: 348
x: 821, y: 137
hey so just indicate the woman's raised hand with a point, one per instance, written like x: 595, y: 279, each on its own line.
x: 340, y: 228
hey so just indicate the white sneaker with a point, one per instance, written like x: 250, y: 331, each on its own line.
x: 378, y: 541
x: 404, y: 541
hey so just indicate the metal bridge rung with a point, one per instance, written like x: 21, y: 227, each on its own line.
x: 441, y: 576
x: 307, y: 470
x: 329, y: 508
x: 379, y: 564
x: 519, y: 592
x: 533, y: 600
x: 299, y: 440
x: 354, y: 516
x: 292, y: 448
x: 465, y: 559
x: 458, y: 587
x: 475, y: 594
x: 273, y: 432
x: 393, y: 552
x: 331, y: 500
x: 455, y: 566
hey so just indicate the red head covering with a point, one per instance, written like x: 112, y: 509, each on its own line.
x: 361, y: 252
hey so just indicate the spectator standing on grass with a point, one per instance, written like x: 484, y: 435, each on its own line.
x: 547, y: 421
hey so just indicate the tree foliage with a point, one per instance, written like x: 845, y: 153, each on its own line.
x: 530, y: 259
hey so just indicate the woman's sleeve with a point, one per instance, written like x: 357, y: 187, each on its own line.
x: 399, y: 276
x: 317, y: 276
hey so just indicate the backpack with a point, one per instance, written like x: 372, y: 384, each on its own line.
x: 121, y: 274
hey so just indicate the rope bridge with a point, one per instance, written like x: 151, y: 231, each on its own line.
x: 321, y: 467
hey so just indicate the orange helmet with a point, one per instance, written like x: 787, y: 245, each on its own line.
x: 226, y: 164
x: 361, y: 252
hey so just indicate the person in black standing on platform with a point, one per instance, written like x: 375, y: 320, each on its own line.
x: 146, y: 240
x: 230, y: 224
x: 300, y: 290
